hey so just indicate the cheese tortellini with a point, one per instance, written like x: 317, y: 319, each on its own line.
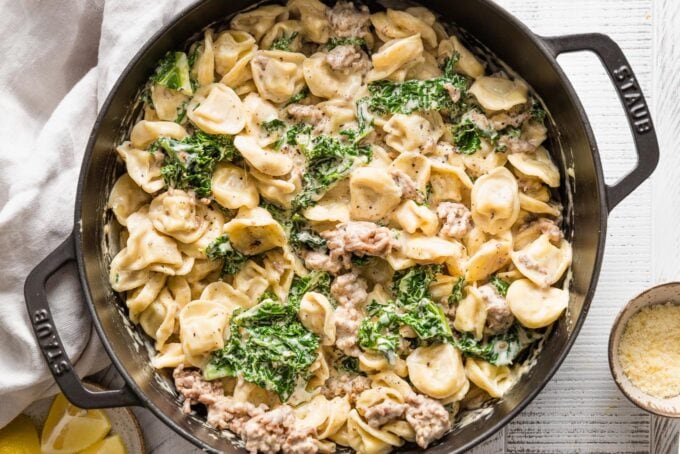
x: 338, y: 219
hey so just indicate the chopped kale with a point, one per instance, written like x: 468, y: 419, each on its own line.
x: 298, y: 97
x: 501, y: 349
x: 308, y: 239
x: 347, y: 41
x: 500, y: 284
x: 189, y: 163
x: 467, y: 137
x: 173, y: 72
x: 329, y: 160
x: 538, y: 113
x: 348, y: 364
x: 316, y: 281
x: 222, y: 249
x: 283, y: 42
x: 361, y: 260
x: 412, y: 285
x: 294, y: 135
x: 417, y: 95
x: 457, y: 291
x: 268, y: 346
x: 273, y: 125
x: 412, y: 306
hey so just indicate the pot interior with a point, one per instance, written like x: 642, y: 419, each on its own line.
x: 483, y: 26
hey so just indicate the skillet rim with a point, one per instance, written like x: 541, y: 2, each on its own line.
x: 531, y: 395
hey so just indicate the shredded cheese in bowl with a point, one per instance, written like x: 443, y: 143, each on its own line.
x: 649, y: 350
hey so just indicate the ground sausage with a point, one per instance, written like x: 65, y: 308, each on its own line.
x: 456, y: 219
x: 306, y: 114
x: 349, y: 290
x: 275, y: 431
x: 346, y: 385
x: 227, y: 413
x: 360, y: 238
x: 515, y: 144
x: 346, y: 21
x: 504, y: 119
x: 429, y: 418
x: 194, y: 389
x: 301, y: 440
x: 315, y: 260
x: 383, y: 413
x: 409, y: 190
x: 498, y: 316
x: 348, y: 58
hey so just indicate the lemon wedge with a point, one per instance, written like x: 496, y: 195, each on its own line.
x: 69, y: 429
x: 109, y: 445
x: 19, y: 437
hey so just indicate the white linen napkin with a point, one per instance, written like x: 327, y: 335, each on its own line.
x: 59, y: 61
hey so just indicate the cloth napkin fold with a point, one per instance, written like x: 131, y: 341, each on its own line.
x: 60, y: 59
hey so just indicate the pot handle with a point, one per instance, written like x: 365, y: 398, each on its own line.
x: 632, y: 100
x: 50, y: 343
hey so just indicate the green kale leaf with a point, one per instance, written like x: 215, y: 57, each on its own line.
x: 173, y: 72
x: 457, y: 291
x: 273, y: 125
x: 283, y: 42
x: 412, y: 306
x: 268, y: 346
x: 347, y: 41
x: 467, y: 137
x: 389, y: 97
x: 329, y: 160
x: 501, y: 349
x: 222, y: 249
x: 189, y: 163
x: 297, y: 97
x: 501, y: 285
x: 316, y: 281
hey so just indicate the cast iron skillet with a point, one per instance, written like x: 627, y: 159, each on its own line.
x: 572, y: 146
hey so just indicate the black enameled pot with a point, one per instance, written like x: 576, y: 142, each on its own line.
x: 588, y: 201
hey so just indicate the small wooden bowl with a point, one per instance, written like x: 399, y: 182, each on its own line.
x: 663, y: 293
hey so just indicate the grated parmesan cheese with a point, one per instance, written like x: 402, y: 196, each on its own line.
x: 649, y: 350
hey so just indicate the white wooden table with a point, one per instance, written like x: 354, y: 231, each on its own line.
x: 581, y: 410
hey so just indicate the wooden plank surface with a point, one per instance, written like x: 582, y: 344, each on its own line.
x: 581, y: 410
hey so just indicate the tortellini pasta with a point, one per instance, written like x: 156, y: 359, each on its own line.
x: 316, y: 314
x: 277, y: 74
x: 260, y: 20
x: 126, y: 198
x: 326, y: 83
x: 393, y: 24
x: 254, y: 231
x: 536, y: 307
x: 437, y: 371
x: 495, y: 201
x: 413, y: 133
x: 144, y: 133
x: 177, y: 214
x: 467, y: 63
x: 268, y: 162
x: 395, y: 58
x: 342, y: 220
x: 543, y: 262
x: 497, y: 93
x: 495, y: 380
x: 233, y: 188
x: 216, y: 109
x: 537, y: 164
x: 373, y: 194
x: 202, y: 326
